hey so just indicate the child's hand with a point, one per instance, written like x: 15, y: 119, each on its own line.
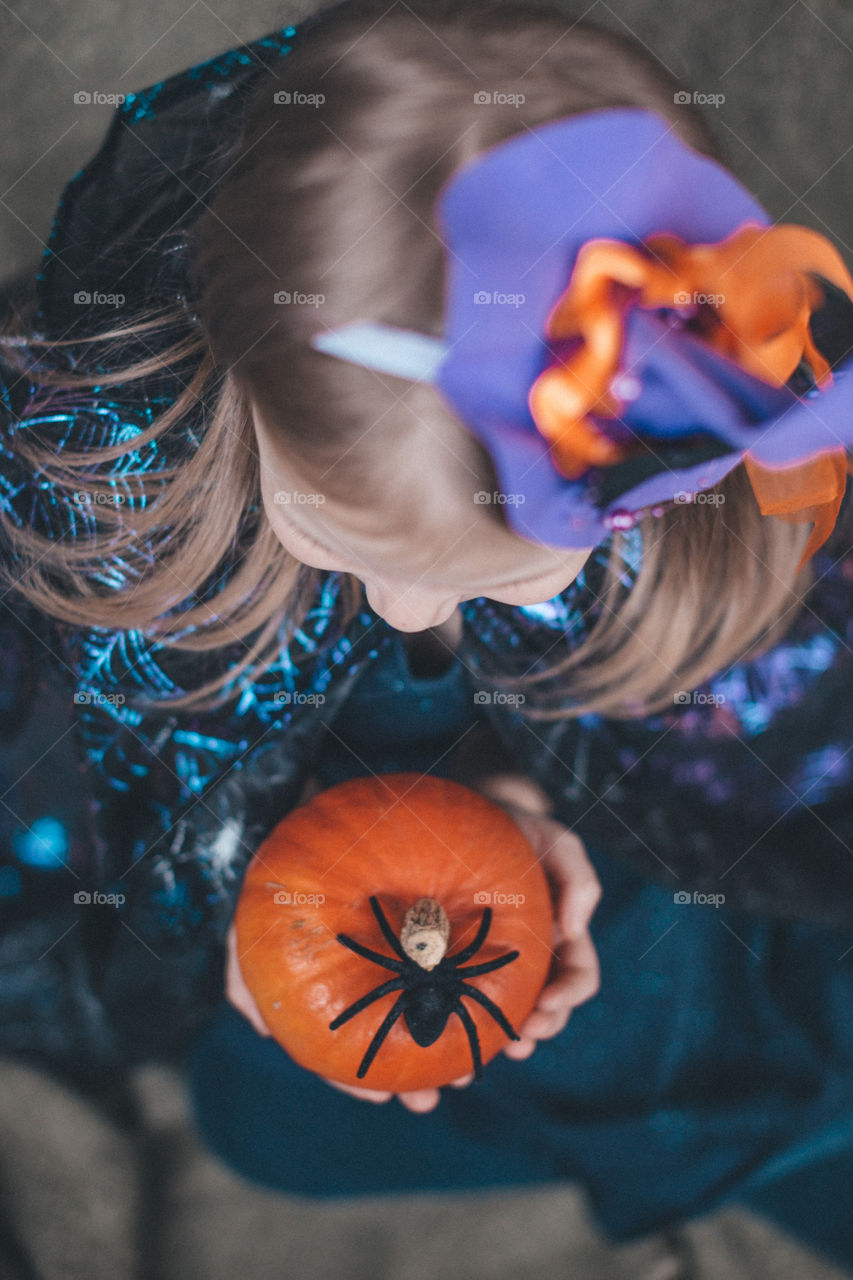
x: 575, y: 975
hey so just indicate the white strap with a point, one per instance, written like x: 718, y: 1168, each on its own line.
x: 399, y: 352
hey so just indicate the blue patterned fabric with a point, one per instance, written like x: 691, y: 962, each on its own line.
x: 720, y: 1042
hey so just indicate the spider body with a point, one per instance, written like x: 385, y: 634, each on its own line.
x: 427, y: 997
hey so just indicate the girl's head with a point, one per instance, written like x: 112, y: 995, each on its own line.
x: 324, y: 215
x: 431, y: 540
x: 329, y: 217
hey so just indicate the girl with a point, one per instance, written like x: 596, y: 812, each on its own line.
x: 273, y: 550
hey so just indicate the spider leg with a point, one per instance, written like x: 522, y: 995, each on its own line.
x: 492, y: 1008
x: 393, y: 984
x: 376, y: 1043
x: 368, y: 954
x: 387, y: 931
x: 474, y: 970
x: 479, y: 938
x: 473, y: 1039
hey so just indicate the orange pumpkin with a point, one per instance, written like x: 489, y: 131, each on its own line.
x: 411, y: 886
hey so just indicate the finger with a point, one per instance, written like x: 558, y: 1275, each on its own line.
x: 462, y: 1081
x: 565, y: 859
x: 420, y: 1100
x: 580, y: 979
x: 519, y: 1049
x: 580, y: 891
x: 243, y: 1001
x: 578, y: 976
x: 241, y: 998
x: 255, y: 1019
x: 238, y: 993
x: 542, y: 1026
x: 585, y: 970
x: 567, y: 993
x: 579, y: 904
x: 367, y: 1095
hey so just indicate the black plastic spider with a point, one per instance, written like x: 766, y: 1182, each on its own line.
x: 427, y: 997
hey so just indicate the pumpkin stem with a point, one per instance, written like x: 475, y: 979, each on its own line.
x: 425, y: 932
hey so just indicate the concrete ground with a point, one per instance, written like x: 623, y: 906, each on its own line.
x: 85, y: 1198
x: 91, y: 1202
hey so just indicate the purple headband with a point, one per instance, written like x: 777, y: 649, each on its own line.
x: 513, y: 221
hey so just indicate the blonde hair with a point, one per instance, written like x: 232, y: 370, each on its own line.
x: 305, y: 206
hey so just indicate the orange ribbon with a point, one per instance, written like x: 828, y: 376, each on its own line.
x: 750, y: 297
